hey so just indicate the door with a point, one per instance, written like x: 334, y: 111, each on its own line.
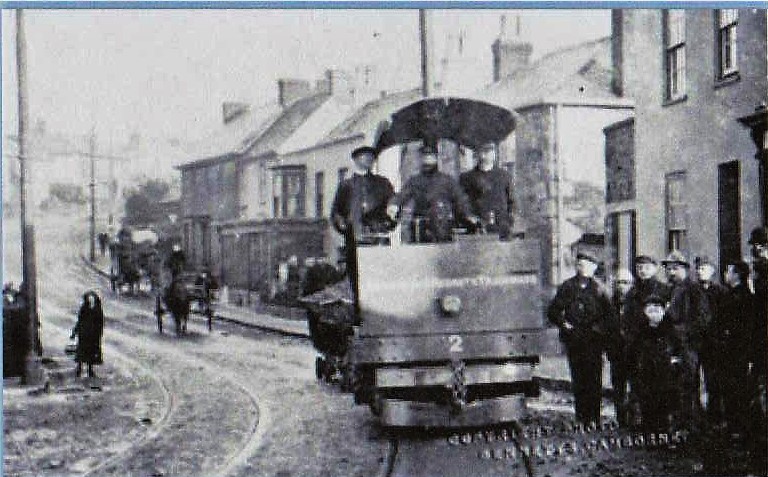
x: 729, y: 213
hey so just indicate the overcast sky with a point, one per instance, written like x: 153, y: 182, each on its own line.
x: 166, y: 72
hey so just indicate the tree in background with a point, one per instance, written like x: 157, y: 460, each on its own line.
x: 60, y: 194
x: 142, y: 203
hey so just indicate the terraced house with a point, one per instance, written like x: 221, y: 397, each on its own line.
x: 683, y: 173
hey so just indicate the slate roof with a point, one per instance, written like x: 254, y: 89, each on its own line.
x: 366, y: 119
x: 228, y: 138
x: 579, y: 74
x: 285, y: 125
x: 255, y: 138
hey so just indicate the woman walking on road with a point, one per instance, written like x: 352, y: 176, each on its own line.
x: 89, y: 329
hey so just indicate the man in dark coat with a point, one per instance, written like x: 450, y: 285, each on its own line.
x: 580, y: 310
x: 647, y: 284
x: 690, y: 316
x: 489, y: 189
x: 715, y: 294
x: 176, y: 260
x: 758, y: 431
x: 439, y: 204
x: 658, y: 360
x: 728, y: 343
x: 89, y: 330
x: 360, y: 206
x: 618, y: 332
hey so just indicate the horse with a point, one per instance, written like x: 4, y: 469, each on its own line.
x: 176, y: 300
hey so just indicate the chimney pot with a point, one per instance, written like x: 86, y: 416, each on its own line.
x: 289, y: 90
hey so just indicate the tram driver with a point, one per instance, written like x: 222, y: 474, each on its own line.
x: 438, y: 201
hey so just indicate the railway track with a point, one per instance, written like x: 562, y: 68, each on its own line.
x: 193, y: 387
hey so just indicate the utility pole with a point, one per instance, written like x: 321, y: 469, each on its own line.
x: 425, y: 40
x: 33, y: 372
x: 92, y: 186
x: 21, y: 78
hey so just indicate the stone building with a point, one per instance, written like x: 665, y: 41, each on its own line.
x: 682, y: 174
x: 564, y: 100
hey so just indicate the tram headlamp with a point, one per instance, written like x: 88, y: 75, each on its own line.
x: 450, y: 304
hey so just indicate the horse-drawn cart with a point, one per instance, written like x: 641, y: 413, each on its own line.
x: 187, y: 292
x: 135, y: 262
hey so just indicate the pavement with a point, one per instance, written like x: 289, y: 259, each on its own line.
x: 552, y: 370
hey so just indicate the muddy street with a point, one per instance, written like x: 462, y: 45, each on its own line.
x: 232, y: 402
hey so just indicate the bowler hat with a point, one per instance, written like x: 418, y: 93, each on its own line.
x: 702, y: 260
x: 759, y: 236
x: 586, y: 256
x: 675, y: 257
x: 645, y: 259
x: 428, y: 149
x: 364, y: 150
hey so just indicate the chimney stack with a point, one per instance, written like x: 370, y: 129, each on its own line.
x: 617, y: 53
x: 509, y: 54
x: 289, y: 90
x: 231, y: 110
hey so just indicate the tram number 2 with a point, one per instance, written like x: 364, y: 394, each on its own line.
x: 455, y: 344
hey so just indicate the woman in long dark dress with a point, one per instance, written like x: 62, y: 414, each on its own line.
x: 89, y: 329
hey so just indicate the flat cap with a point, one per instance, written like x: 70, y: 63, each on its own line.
x: 645, y: 259
x: 759, y: 236
x: 364, y: 150
x: 702, y: 260
x: 586, y: 256
x: 653, y: 299
x: 675, y: 257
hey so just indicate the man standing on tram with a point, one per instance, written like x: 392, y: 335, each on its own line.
x: 489, y: 189
x: 438, y: 201
x: 360, y: 205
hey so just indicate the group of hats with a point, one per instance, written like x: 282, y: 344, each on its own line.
x: 424, y: 149
x: 675, y: 257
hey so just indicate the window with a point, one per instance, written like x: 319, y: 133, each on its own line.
x: 276, y: 186
x: 263, y: 182
x: 319, y: 194
x: 726, y: 42
x: 677, y: 221
x: 674, y: 48
x: 289, y: 192
x: 342, y: 174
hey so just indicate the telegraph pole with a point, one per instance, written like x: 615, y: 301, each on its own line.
x: 33, y: 367
x: 92, y: 186
x: 21, y: 78
x: 425, y: 40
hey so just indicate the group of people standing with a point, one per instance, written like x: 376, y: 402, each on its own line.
x: 670, y: 342
x: 482, y: 197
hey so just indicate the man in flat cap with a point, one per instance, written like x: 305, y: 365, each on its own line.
x: 646, y: 284
x: 690, y: 317
x: 716, y: 295
x: 360, y: 206
x: 580, y: 310
x: 439, y: 204
x: 731, y: 335
x: 618, y: 334
x: 758, y: 239
x: 489, y: 189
